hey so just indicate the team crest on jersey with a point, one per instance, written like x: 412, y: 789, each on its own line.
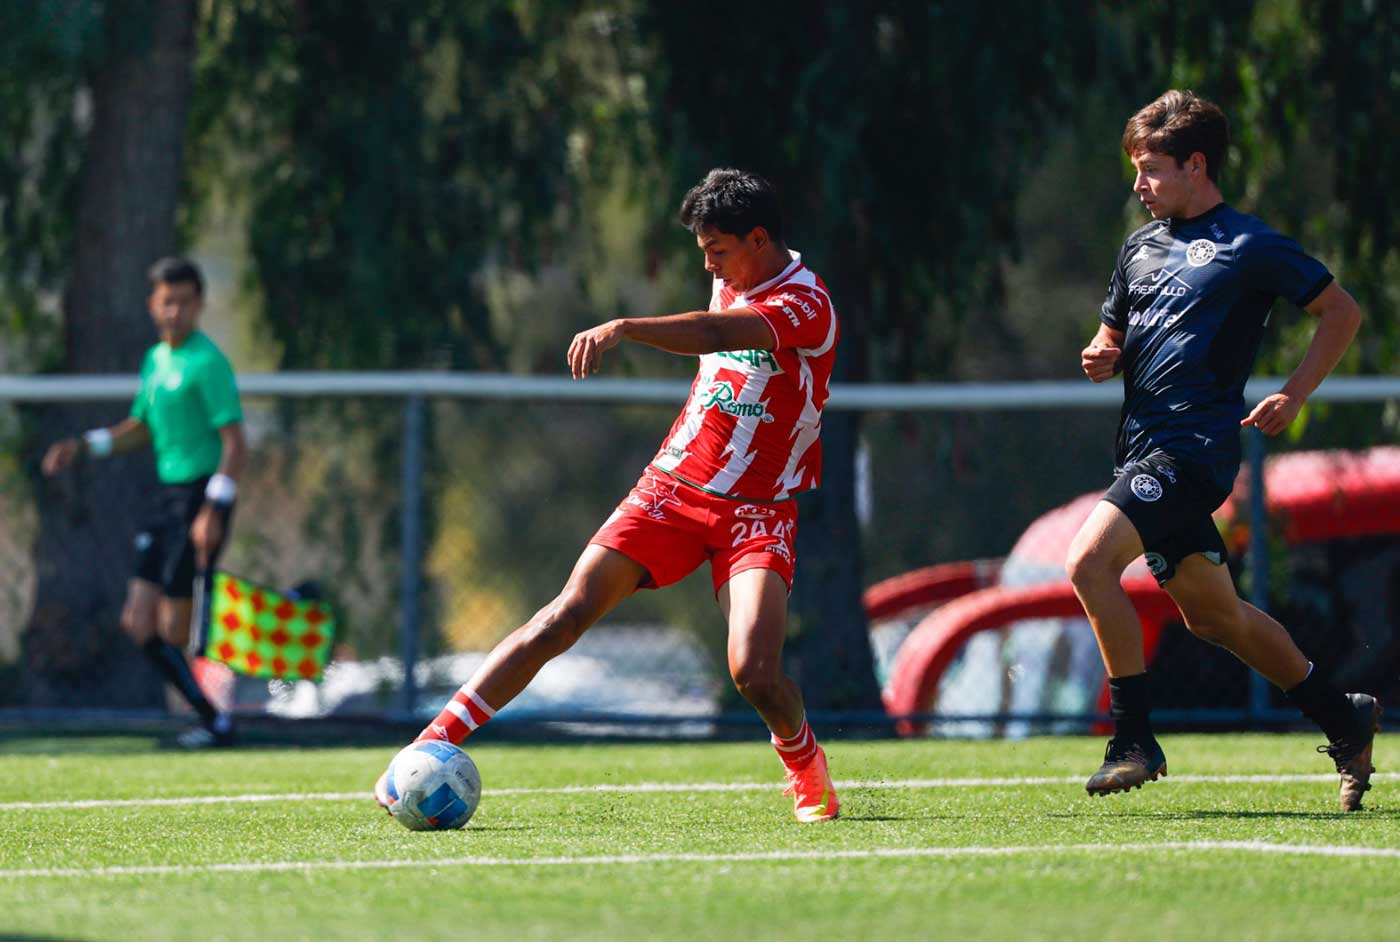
x: 1201, y: 252
x: 720, y: 396
x: 1147, y: 488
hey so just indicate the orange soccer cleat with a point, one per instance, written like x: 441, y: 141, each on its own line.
x: 814, y: 796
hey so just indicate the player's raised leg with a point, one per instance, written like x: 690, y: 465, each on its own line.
x: 754, y: 603
x: 1214, y: 612
x: 601, y: 578
x: 1103, y: 548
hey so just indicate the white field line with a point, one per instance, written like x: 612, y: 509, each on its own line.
x: 648, y: 787
x: 883, y: 853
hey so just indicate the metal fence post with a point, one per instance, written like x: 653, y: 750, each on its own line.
x: 411, y: 547
x: 1258, y: 557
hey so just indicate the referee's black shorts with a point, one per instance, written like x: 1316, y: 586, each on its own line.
x: 1170, y: 504
x: 164, y: 550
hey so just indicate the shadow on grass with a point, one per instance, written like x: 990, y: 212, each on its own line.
x: 864, y: 818
x: 1218, y: 814
x: 24, y: 937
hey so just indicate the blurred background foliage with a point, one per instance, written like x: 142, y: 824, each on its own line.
x: 444, y: 185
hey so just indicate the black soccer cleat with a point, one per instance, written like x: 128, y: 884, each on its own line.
x: 1352, y: 754
x: 1127, y: 764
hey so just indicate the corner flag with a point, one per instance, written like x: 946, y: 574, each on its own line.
x: 262, y: 633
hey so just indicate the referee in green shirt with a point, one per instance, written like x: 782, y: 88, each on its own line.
x: 188, y: 411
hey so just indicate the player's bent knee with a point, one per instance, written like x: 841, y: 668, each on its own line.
x: 756, y: 682
x: 1089, y: 570
x: 557, y: 628
x: 139, y: 626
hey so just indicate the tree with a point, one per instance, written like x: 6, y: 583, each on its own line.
x: 898, y: 134
x: 138, y: 80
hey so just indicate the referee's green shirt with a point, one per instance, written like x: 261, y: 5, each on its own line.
x: 187, y: 394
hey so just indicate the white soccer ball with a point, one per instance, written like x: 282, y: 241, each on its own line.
x: 433, y: 786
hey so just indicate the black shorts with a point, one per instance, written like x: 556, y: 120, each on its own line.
x: 164, y: 551
x: 1170, y: 504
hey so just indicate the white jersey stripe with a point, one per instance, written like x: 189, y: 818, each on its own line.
x: 827, y: 344
x: 750, y: 430
x: 740, y: 442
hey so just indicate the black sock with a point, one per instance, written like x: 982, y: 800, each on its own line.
x: 1325, y: 705
x: 172, y: 664
x: 1129, y: 705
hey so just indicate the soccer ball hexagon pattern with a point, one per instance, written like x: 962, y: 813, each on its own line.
x: 433, y: 786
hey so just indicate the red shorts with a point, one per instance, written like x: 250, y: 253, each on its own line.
x: 671, y: 527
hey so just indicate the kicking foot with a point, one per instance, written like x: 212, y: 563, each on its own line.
x: 381, y: 791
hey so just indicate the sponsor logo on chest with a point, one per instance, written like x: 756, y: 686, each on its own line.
x: 1161, y: 283
x: 720, y: 395
x: 745, y: 361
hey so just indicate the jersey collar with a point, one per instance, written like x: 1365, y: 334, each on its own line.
x: 784, y: 275
x: 1178, y: 223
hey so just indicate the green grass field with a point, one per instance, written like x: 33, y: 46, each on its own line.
x: 926, y: 846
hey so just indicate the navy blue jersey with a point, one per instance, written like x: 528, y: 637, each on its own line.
x: 1192, y: 297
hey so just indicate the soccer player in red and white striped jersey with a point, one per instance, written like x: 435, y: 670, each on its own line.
x: 721, y: 487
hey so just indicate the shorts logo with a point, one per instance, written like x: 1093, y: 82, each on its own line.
x: 661, y: 494
x: 754, y: 512
x: 1156, y: 563
x: 144, y: 541
x: 780, y: 548
x: 1201, y: 252
x: 1147, y: 488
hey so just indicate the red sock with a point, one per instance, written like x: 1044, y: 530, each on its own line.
x: 463, y: 714
x: 800, y: 750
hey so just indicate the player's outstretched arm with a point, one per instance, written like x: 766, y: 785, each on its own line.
x: 126, y: 435
x: 1339, y: 317
x: 695, y: 333
x: 1100, y: 359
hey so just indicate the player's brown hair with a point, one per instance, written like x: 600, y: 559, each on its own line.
x: 1179, y: 124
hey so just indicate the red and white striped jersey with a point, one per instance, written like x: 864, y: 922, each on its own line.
x: 750, y: 428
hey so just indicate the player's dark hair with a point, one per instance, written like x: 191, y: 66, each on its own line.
x: 174, y: 270
x: 733, y: 201
x: 1179, y: 124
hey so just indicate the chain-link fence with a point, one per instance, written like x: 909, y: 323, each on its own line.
x: 437, y: 522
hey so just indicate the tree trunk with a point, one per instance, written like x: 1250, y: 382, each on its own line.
x: 74, y: 652
x: 831, y: 653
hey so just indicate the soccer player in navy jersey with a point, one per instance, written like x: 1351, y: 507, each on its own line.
x: 1186, y: 310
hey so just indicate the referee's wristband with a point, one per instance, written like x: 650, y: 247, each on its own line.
x: 221, y: 490
x: 97, y: 442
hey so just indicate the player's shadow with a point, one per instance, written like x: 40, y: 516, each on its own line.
x: 1207, y: 814
x: 876, y: 818
x: 23, y: 937
x: 1215, y: 814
